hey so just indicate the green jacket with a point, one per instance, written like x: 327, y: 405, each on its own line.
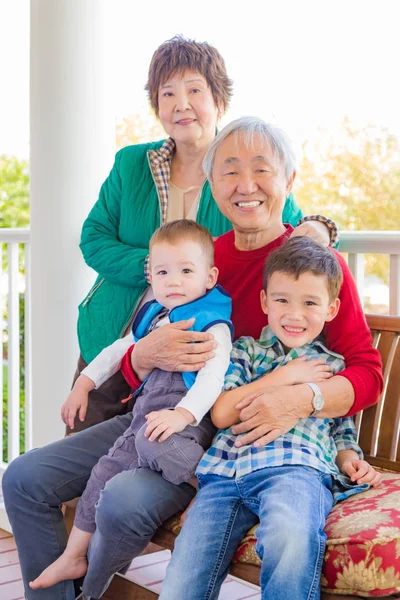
x: 115, y: 243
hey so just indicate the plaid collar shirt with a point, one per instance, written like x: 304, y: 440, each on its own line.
x: 160, y: 166
x: 313, y: 442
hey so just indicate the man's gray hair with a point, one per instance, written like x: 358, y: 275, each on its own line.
x: 248, y: 128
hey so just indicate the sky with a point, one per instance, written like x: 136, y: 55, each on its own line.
x: 302, y: 64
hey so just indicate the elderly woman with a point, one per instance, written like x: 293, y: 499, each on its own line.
x: 149, y: 184
x: 250, y: 181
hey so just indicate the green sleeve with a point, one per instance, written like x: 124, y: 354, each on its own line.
x: 101, y: 247
x: 291, y: 212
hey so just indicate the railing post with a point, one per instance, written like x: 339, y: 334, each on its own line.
x: 2, y: 295
x: 28, y: 350
x: 394, y: 285
x: 13, y: 353
x: 356, y: 266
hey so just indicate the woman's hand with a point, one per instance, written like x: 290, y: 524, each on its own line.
x: 268, y: 415
x: 171, y: 348
x: 314, y: 229
x: 301, y: 370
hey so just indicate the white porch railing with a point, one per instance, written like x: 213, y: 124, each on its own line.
x: 16, y: 412
x: 14, y: 283
x: 359, y: 243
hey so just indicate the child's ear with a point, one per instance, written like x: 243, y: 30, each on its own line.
x: 263, y: 299
x: 212, y: 278
x: 333, y: 310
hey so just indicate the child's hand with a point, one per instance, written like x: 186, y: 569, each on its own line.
x: 360, y: 471
x: 77, y: 400
x: 166, y: 422
x: 301, y: 370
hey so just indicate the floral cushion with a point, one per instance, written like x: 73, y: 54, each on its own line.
x: 363, y: 547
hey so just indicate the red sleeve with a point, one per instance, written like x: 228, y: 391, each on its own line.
x: 128, y: 372
x: 349, y: 335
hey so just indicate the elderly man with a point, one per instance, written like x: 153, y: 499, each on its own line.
x: 251, y: 169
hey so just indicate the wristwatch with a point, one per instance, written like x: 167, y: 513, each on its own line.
x: 318, y: 400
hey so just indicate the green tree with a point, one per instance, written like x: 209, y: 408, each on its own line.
x: 354, y: 178
x: 14, y: 192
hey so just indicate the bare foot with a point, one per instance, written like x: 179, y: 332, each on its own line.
x: 65, y: 567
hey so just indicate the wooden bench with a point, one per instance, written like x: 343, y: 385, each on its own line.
x: 378, y: 429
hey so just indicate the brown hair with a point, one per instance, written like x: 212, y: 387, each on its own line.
x: 184, y: 229
x: 180, y: 54
x: 303, y: 255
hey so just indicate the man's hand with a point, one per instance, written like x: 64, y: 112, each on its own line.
x: 301, y: 370
x: 171, y: 348
x: 360, y: 471
x: 164, y: 423
x: 314, y: 229
x: 77, y: 401
x: 265, y: 416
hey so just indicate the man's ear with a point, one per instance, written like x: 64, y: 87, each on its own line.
x: 290, y: 183
x: 212, y: 278
x: 263, y: 299
x: 333, y: 310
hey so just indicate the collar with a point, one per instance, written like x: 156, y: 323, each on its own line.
x: 268, y: 339
x: 163, y: 154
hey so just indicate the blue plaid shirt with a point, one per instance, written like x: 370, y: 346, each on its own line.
x: 313, y: 442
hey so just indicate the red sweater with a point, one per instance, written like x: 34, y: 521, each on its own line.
x: 241, y: 274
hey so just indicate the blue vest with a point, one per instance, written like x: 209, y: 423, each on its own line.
x: 208, y: 310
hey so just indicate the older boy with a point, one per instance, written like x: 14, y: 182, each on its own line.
x: 171, y: 407
x: 289, y: 485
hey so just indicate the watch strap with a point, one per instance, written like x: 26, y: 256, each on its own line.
x: 316, y: 391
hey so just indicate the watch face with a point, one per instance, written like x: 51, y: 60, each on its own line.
x: 318, y: 402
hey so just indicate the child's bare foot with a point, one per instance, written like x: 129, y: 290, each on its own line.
x: 65, y: 567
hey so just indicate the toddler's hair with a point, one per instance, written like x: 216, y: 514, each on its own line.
x: 303, y: 255
x: 185, y: 229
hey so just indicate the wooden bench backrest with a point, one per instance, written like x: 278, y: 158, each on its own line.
x: 379, y: 425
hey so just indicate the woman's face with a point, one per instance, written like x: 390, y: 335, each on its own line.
x: 249, y: 184
x: 187, y: 109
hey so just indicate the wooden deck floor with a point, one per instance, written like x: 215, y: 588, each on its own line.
x: 148, y: 570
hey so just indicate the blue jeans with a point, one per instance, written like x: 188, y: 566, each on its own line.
x: 131, y: 507
x: 291, y: 502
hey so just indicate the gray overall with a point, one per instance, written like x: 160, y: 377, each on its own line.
x: 176, y: 458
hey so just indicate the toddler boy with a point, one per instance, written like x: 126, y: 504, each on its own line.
x: 171, y: 407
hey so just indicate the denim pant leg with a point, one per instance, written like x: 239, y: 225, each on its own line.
x: 294, y: 502
x: 35, y: 485
x: 131, y: 507
x: 215, y: 524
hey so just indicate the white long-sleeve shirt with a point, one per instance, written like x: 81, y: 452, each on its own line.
x: 209, y: 380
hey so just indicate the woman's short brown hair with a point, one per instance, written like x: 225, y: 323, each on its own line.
x: 177, y: 55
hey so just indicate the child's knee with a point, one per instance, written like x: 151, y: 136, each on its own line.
x: 176, y: 458
x: 147, y: 451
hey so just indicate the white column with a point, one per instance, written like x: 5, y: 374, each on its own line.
x: 72, y: 138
